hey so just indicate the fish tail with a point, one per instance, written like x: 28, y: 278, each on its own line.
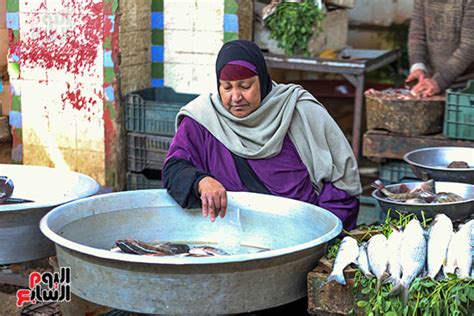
x: 381, y: 280
x: 378, y: 184
x: 396, y: 290
x: 404, y: 295
x: 339, y: 278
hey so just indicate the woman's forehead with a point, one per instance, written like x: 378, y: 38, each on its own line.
x: 248, y: 80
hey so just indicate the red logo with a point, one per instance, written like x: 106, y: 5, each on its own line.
x: 46, y: 287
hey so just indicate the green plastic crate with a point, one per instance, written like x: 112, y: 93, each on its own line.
x: 153, y: 110
x: 147, y: 151
x: 459, y: 113
x: 396, y: 171
x: 139, y: 181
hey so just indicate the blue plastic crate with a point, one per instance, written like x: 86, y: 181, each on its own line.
x: 396, y: 171
x: 153, y: 110
x: 459, y: 113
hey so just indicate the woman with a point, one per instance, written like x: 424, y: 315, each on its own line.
x: 259, y: 136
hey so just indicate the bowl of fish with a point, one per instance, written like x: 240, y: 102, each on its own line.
x: 452, y: 164
x: 27, y: 193
x: 151, y: 256
x: 456, y: 200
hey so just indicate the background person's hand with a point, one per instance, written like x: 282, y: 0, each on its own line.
x: 418, y: 75
x: 213, y: 198
x: 426, y: 88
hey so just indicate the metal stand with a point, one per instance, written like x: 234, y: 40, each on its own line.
x: 353, y: 68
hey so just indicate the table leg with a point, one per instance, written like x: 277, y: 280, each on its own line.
x: 358, y: 82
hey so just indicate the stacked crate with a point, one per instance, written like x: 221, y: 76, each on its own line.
x: 459, y: 113
x: 150, y: 121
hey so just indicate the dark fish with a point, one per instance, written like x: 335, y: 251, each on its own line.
x: 458, y: 164
x: 447, y: 197
x: 134, y: 246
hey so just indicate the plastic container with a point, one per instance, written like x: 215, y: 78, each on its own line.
x: 154, y: 110
x: 396, y: 171
x: 147, y: 151
x: 140, y: 181
x: 459, y: 113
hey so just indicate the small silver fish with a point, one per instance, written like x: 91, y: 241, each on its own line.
x: 347, y: 254
x: 412, y: 257
x: 378, y: 257
x: 438, y: 240
x: 459, y: 258
x: 394, y: 243
x: 363, y: 260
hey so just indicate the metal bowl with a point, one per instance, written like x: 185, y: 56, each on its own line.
x: 432, y: 163
x: 20, y: 237
x: 454, y: 210
x: 295, y: 232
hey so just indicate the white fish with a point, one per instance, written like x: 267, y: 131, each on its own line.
x: 378, y: 257
x: 438, y: 240
x: 412, y: 257
x: 347, y: 254
x: 363, y: 260
x: 459, y: 258
x: 394, y: 243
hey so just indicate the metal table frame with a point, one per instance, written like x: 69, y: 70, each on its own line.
x: 353, y: 69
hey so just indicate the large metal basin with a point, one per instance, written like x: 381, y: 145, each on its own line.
x: 454, y: 210
x: 20, y: 237
x: 433, y: 163
x: 85, y: 230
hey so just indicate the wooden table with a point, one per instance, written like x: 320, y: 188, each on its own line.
x: 379, y: 144
x: 355, y: 64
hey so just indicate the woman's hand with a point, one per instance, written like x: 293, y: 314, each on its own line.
x: 213, y: 198
x: 418, y: 75
x: 426, y: 88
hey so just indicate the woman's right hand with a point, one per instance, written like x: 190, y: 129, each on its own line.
x: 418, y: 75
x: 213, y: 198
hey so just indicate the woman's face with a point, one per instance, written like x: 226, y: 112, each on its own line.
x: 240, y: 97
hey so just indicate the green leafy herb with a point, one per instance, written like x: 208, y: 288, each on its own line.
x: 293, y: 25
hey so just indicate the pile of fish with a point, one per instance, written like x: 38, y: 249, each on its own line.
x: 422, y: 194
x: 137, y: 247
x: 400, y: 94
x: 406, y: 254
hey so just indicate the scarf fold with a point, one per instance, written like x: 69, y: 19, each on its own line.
x: 287, y: 109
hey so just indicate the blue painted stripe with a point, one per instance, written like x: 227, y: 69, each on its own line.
x: 15, y: 119
x: 1, y: 86
x: 108, y: 61
x: 157, y: 83
x: 13, y: 20
x: 109, y: 94
x: 112, y: 20
x: 231, y: 23
x: 157, y: 22
x: 14, y: 58
x: 157, y: 53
